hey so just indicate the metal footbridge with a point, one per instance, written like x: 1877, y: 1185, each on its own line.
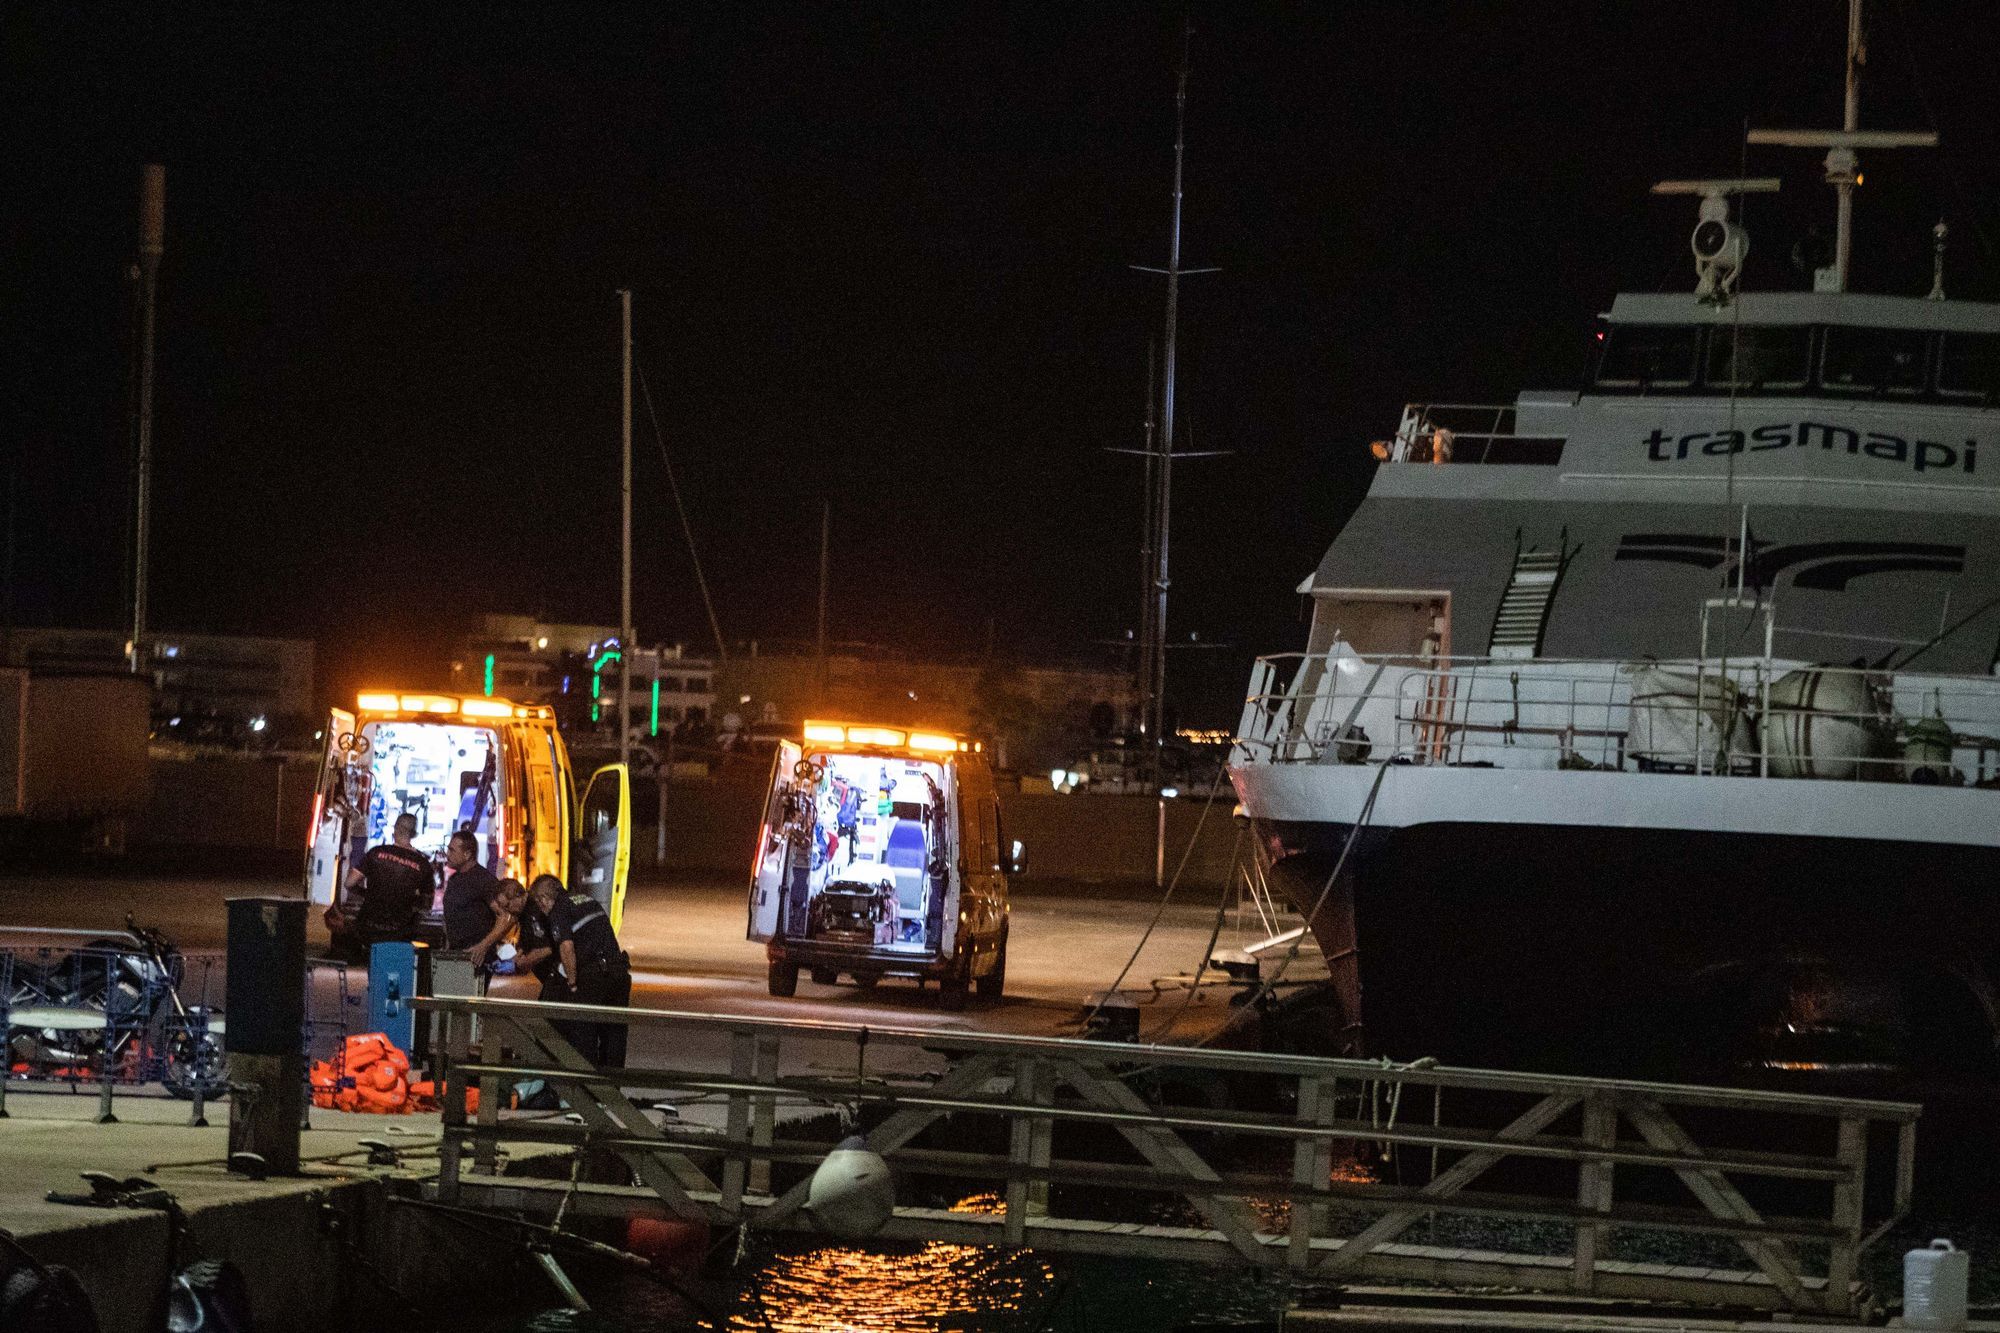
x: 1337, y: 1170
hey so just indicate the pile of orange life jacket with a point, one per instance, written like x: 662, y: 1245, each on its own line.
x: 371, y: 1075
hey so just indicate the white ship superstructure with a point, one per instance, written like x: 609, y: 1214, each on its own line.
x: 1672, y: 697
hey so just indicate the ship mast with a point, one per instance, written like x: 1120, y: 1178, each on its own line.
x: 1843, y: 167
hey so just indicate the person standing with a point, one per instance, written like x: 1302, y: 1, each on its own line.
x: 473, y: 920
x: 397, y: 883
x: 598, y: 971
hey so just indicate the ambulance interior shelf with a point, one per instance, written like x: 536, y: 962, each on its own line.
x: 875, y: 831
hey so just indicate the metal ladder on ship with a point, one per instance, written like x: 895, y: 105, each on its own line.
x: 1524, y: 605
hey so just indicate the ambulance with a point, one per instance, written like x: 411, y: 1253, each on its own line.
x: 474, y: 762
x: 882, y: 854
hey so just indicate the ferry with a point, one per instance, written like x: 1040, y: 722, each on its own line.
x: 1654, y: 726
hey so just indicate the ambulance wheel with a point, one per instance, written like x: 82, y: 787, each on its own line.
x: 784, y: 979
x: 867, y: 980
x: 994, y: 983
x: 825, y: 976
x: 952, y: 992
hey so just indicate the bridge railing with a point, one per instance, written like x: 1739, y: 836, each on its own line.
x: 1338, y: 1169
x: 1465, y: 433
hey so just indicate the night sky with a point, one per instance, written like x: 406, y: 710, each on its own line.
x: 881, y: 257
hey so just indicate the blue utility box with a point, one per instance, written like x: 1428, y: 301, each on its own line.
x: 397, y: 974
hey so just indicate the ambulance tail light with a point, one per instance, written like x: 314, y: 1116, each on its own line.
x: 876, y: 736
x: 923, y: 740
x: 487, y: 708
x: 826, y: 731
x: 377, y: 703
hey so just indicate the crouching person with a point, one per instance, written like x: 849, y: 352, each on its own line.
x: 596, y: 969
x: 538, y: 940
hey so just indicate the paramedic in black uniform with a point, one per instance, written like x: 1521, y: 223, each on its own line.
x: 397, y: 883
x: 598, y: 972
x: 473, y: 922
x: 538, y: 940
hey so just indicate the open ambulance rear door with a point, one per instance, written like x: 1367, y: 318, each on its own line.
x: 328, y: 849
x: 600, y: 854
x: 770, y: 870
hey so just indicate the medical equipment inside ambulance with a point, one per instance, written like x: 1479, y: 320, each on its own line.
x: 446, y: 776
x: 879, y: 836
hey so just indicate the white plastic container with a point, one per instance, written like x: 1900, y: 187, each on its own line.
x: 1935, y: 1283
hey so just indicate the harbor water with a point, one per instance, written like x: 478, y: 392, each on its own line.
x: 796, y: 1286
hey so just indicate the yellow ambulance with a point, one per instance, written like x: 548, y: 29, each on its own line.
x: 473, y: 762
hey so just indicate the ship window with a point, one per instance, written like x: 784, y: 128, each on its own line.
x: 1759, y: 357
x: 1649, y: 355
x: 1873, y: 360
x: 1969, y: 365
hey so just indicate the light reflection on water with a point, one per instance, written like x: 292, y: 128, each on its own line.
x: 915, y: 1289
x: 933, y: 1286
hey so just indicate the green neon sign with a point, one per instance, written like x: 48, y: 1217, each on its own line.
x: 656, y: 708
x: 597, y: 681
x: 489, y: 675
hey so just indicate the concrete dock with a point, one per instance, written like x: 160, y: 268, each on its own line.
x: 302, y: 1242
x: 310, y: 1246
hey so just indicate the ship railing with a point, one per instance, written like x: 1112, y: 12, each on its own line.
x: 1464, y: 433
x: 1279, y: 1162
x: 1725, y: 717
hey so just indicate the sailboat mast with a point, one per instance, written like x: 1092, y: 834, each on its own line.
x: 1164, y: 470
x: 1144, y: 648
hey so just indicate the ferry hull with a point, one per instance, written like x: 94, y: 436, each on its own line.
x: 1652, y: 951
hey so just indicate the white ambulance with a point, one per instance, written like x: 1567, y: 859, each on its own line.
x: 882, y: 854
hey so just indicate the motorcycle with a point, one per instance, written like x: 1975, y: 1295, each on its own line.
x: 111, y: 1007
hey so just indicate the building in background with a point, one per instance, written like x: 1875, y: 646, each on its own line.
x: 1031, y: 715
x: 208, y: 689
x: 575, y: 668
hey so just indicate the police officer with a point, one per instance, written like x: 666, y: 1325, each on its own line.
x: 598, y: 973
x: 538, y: 939
x: 397, y: 883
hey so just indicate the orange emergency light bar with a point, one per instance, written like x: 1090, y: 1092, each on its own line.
x: 895, y: 738
x: 382, y: 701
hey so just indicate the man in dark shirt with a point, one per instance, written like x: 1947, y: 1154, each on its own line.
x: 598, y: 972
x: 396, y: 883
x: 473, y: 923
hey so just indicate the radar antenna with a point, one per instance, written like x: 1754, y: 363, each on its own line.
x: 1843, y: 168
x: 1719, y: 245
